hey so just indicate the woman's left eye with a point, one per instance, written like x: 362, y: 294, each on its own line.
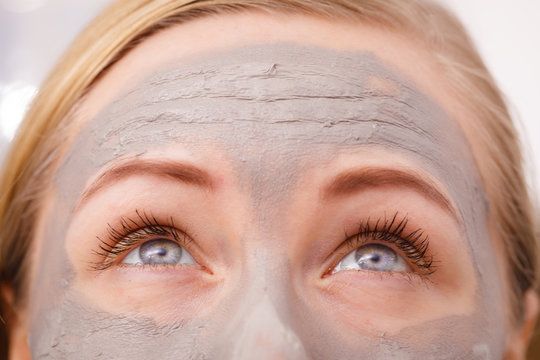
x: 374, y: 257
x: 159, y: 252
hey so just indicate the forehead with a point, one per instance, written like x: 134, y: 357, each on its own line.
x: 275, y: 104
x: 180, y: 44
x: 301, y: 81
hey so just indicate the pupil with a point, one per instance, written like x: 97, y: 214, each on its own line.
x: 375, y: 258
x: 162, y: 252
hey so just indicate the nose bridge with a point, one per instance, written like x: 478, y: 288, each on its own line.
x: 263, y: 334
x: 261, y: 328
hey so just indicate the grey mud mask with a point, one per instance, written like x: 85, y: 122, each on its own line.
x: 276, y: 111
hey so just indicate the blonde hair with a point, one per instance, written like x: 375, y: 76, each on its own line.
x: 31, y: 162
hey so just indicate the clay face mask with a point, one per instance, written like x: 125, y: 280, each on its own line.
x: 269, y: 120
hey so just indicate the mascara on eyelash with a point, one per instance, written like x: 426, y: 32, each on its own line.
x: 414, y: 245
x: 130, y: 233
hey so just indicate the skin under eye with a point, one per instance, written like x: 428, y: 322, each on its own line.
x: 159, y: 252
x: 374, y: 257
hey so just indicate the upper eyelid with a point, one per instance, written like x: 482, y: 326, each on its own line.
x: 355, y: 180
x: 144, y: 221
x: 178, y: 171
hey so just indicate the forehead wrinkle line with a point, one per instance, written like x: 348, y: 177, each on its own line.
x: 356, y: 180
x: 177, y: 171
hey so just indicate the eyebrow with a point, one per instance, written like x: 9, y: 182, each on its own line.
x: 177, y: 171
x: 356, y: 180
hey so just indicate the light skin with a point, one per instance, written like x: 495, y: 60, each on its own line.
x: 231, y: 245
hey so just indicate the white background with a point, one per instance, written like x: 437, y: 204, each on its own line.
x: 33, y: 34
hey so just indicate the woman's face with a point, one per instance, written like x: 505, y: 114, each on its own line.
x: 273, y: 187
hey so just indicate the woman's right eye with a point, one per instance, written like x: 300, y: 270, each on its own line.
x: 159, y: 251
x: 144, y: 240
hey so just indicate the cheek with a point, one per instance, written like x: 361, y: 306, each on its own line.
x: 167, y: 296
x: 369, y: 302
x: 41, y: 241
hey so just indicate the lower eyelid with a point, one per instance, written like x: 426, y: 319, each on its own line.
x: 387, y: 280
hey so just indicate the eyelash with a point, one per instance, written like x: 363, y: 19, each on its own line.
x: 132, y: 232
x: 414, y: 244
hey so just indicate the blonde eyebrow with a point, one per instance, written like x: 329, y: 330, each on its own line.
x: 356, y: 180
x: 177, y: 171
